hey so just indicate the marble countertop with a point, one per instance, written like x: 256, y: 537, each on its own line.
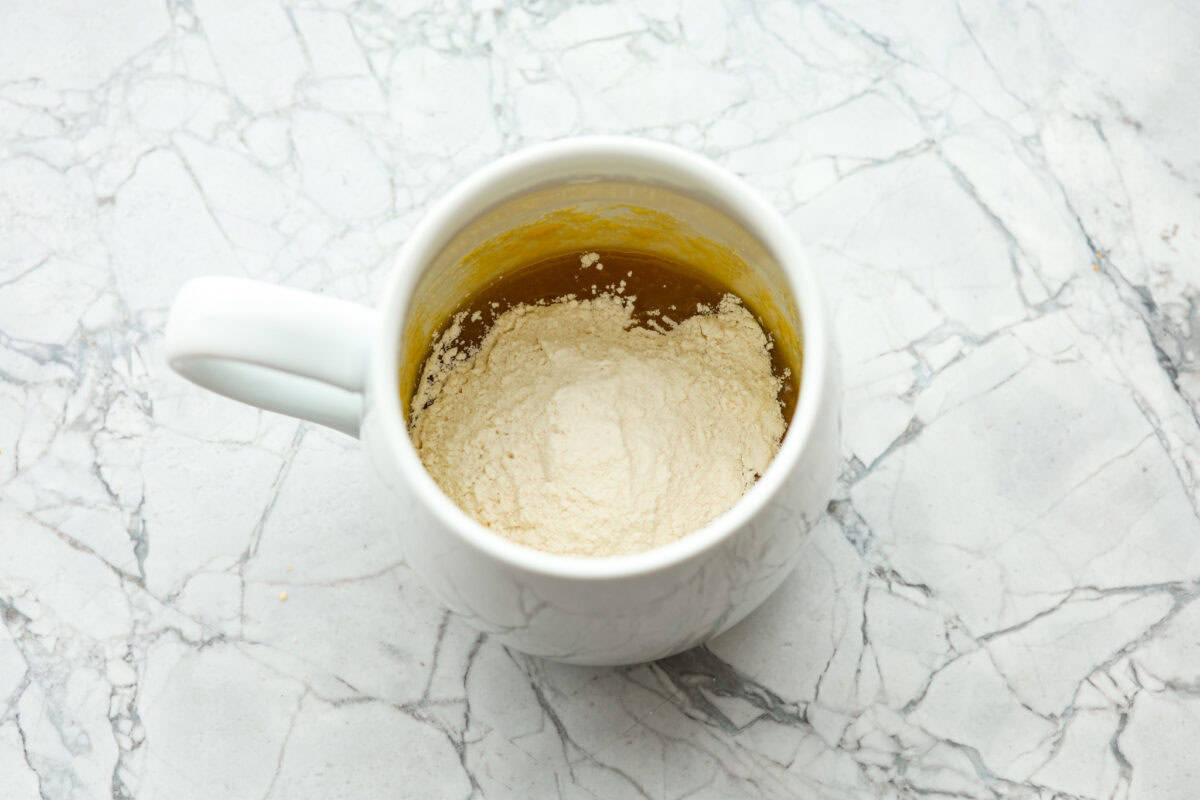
x: 1004, y: 599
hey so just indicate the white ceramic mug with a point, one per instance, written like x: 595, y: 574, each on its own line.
x: 342, y: 365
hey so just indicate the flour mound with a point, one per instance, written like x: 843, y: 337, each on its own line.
x: 573, y: 431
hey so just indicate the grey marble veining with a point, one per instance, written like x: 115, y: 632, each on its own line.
x: 1003, y: 201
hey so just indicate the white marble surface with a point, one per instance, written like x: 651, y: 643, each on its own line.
x: 1004, y: 202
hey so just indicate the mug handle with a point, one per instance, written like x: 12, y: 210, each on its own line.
x: 273, y: 347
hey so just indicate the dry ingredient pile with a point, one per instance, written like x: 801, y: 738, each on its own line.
x: 573, y: 430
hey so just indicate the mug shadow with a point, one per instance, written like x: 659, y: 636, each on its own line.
x: 699, y: 682
x: 637, y: 730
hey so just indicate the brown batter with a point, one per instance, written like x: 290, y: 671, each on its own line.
x: 662, y: 289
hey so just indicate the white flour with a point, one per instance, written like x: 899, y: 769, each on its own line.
x: 571, y: 431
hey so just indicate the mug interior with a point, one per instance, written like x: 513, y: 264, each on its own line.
x: 604, y: 215
x: 598, y: 193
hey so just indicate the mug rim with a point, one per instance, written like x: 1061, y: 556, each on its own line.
x: 729, y: 194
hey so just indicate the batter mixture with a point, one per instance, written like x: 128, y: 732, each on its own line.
x: 573, y: 429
